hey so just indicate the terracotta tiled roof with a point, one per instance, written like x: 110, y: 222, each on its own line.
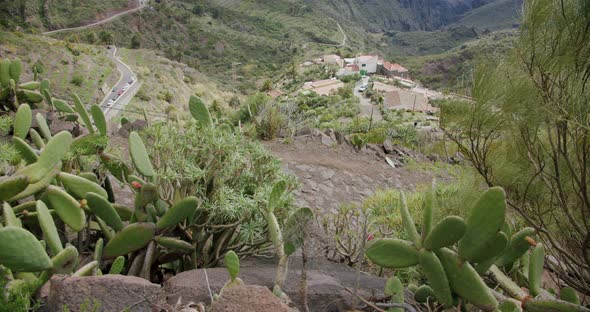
x: 394, y: 67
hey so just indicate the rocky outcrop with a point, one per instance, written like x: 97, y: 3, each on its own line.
x: 105, y: 293
x: 326, y: 282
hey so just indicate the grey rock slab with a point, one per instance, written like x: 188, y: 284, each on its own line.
x: 107, y: 293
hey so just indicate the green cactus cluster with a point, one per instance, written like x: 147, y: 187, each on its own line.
x: 57, y: 203
x: 455, y: 256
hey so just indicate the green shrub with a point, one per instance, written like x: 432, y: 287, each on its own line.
x: 77, y: 80
x: 231, y: 176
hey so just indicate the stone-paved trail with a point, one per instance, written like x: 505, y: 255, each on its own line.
x: 333, y: 175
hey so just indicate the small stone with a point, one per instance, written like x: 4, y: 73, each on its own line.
x: 387, y: 146
x: 326, y: 140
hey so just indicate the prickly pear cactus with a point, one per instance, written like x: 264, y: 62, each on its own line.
x: 232, y: 263
x: 199, y: 111
x: 139, y: 155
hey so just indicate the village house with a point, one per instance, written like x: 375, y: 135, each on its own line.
x: 394, y: 70
x: 334, y: 59
x: 367, y: 63
x: 323, y: 87
x: 407, y: 100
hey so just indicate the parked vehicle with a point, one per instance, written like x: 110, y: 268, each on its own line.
x: 363, y: 87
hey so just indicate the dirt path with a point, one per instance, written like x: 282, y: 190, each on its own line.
x: 332, y: 176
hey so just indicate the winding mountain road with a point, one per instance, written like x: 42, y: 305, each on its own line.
x: 141, y: 5
x: 127, y: 80
x: 121, y: 101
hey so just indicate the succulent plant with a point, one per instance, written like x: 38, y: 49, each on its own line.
x: 452, y: 250
x: 199, y: 111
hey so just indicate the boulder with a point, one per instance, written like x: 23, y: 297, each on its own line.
x: 249, y: 298
x: 326, y: 140
x: 305, y: 130
x: 325, y: 283
x: 387, y: 146
x: 340, y: 138
x: 331, y: 134
x: 59, y: 124
x: 106, y: 293
x: 376, y: 149
x: 136, y: 125
x: 194, y: 285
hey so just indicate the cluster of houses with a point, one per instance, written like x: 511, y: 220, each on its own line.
x: 365, y: 64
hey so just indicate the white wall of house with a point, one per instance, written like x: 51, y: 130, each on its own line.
x: 367, y: 62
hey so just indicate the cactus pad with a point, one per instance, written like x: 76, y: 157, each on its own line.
x: 79, y: 186
x: 465, y: 281
x: 67, y: 208
x: 517, y: 247
x: 131, y: 238
x: 13, y: 185
x: 232, y: 263
x: 62, y: 106
x: 24, y: 150
x: 393, y: 253
x: 437, y: 278
x: 177, y: 213
x: 101, y: 207
x: 22, y: 121
x: 448, y: 231
x: 139, y: 155
x: 48, y: 227
x: 118, y: 265
x: 174, y: 244
x: 37, y: 186
x: 81, y: 110
x: 199, y: 111
x: 26, y: 256
x: 395, y: 289
x: 99, y: 119
x: 424, y: 294
x: 10, y: 218
x: 537, y: 261
x: 408, y: 222
x: 485, y: 220
x: 65, y: 261
x: 50, y: 156
x: 16, y: 69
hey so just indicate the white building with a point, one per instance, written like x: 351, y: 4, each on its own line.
x: 367, y: 63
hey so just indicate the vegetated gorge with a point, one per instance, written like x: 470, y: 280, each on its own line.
x: 288, y: 155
